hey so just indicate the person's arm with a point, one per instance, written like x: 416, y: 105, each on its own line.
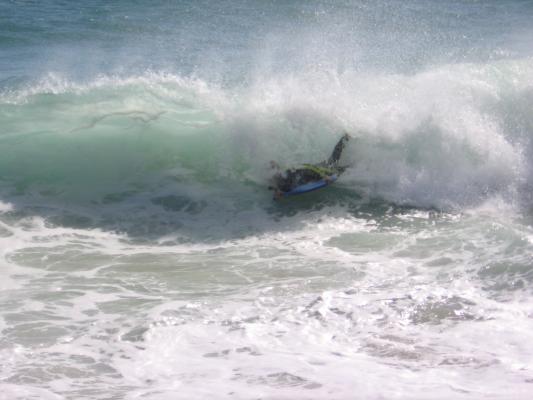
x: 337, y: 151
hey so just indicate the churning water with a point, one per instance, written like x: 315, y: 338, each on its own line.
x: 142, y: 257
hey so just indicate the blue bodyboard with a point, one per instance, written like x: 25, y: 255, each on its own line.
x: 309, y: 187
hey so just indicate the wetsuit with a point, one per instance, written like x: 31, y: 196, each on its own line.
x: 293, y: 177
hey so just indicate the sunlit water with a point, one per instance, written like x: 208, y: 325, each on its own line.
x: 141, y: 255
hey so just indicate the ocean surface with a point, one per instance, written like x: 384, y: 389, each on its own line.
x: 142, y: 256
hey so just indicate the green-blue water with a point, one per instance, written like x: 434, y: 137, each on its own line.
x: 141, y: 255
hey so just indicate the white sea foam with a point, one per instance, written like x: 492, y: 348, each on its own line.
x: 141, y: 255
x: 297, y: 310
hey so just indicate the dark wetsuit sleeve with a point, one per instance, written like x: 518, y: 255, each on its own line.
x: 337, y: 151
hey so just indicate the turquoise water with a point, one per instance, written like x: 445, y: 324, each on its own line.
x: 141, y: 255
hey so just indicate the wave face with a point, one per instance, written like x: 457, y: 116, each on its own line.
x: 451, y: 137
x: 142, y: 256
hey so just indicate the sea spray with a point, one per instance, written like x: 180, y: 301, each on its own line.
x: 413, y: 143
x: 141, y: 254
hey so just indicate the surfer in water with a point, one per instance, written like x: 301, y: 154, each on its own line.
x: 284, y: 182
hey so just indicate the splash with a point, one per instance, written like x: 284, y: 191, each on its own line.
x: 446, y: 137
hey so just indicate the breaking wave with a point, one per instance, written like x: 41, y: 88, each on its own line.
x: 451, y: 136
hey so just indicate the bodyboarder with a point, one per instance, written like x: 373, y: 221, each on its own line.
x: 284, y: 182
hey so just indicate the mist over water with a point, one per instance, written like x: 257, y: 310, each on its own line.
x: 141, y: 254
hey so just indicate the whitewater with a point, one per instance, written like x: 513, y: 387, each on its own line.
x: 143, y: 257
